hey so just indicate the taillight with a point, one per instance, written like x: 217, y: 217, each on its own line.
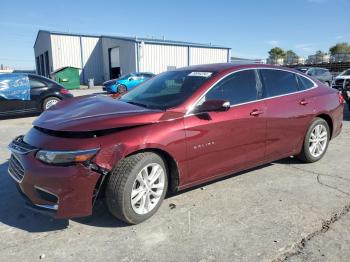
x: 341, y: 98
x: 64, y: 91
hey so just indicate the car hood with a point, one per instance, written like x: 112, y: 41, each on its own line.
x: 110, y: 82
x: 93, y: 113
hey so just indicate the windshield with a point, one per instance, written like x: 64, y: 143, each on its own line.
x: 302, y: 69
x: 123, y: 77
x: 167, y: 90
x: 346, y: 73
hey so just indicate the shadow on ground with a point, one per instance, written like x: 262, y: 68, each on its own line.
x: 13, y: 212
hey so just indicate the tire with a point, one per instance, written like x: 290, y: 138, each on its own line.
x: 124, y: 182
x: 121, y: 89
x: 50, y: 101
x: 309, y: 154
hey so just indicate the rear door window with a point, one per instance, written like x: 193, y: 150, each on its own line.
x: 238, y: 88
x: 278, y: 82
x: 304, y: 83
x: 34, y: 83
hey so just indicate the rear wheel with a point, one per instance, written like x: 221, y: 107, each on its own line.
x: 50, y: 101
x: 137, y: 187
x: 316, y: 141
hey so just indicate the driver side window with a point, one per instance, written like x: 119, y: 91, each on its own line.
x: 238, y: 88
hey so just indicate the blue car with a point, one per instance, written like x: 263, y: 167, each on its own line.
x: 125, y: 82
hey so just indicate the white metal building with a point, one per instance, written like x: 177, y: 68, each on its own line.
x: 107, y: 57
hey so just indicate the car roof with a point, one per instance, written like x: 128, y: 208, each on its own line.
x: 220, y: 67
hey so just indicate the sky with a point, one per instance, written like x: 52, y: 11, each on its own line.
x: 250, y: 27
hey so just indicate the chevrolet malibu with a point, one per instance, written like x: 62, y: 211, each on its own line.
x: 180, y: 129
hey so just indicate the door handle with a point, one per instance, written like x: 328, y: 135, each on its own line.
x: 303, y: 102
x: 256, y: 112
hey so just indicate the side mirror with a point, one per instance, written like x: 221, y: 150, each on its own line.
x: 131, y: 78
x: 213, y: 106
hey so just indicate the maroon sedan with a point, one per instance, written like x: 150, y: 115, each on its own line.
x: 182, y: 128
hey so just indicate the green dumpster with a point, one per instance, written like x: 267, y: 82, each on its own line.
x: 67, y: 76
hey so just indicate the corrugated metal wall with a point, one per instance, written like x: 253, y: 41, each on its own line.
x: 158, y: 58
x: 92, y: 54
x: 127, y: 55
x: 81, y: 52
x: 92, y: 59
x: 200, y: 55
x: 42, y: 45
x: 65, y: 51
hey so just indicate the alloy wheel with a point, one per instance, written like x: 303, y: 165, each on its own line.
x: 50, y: 103
x: 148, y: 188
x: 318, y: 140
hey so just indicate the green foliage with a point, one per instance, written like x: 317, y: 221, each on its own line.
x: 340, y: 48
x: 276, y: 53
x: 291, y: 53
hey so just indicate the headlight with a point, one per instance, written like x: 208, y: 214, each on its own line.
x: 65, y: 157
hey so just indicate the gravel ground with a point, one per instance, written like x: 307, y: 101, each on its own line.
x: 284, y: 211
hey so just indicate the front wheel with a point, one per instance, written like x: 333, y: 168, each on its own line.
x: 316, y: 141
x: 121, y: 89
x: 137, y: 187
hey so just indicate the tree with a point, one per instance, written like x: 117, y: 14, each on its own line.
x: 291, y: 53
x: 340, y: 48
x: 276, y: 53
x: 320, y: 53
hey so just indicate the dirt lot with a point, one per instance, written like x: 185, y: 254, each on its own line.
x: 282, y: 211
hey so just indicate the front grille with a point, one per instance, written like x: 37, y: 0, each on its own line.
x: 339, y: 82
x: 16, y: 169
x: 347, y: 84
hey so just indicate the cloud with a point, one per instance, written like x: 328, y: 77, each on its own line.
x: 272, y: 42
x: 339, y: 37
x: 305, y: 47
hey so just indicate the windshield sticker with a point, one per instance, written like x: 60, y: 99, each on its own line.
x: 201, y: 74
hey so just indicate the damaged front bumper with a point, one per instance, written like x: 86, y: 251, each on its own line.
x: 59, y: 191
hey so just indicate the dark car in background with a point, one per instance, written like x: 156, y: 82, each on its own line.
x: 342, y: 83
x: 177, y: 130
x: 321, y: 74
x: 28, y: 93
x: 125, y: 82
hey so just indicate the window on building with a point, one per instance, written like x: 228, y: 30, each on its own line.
x: 37, y: 65
x: 42, y: 67
x: 47, y: 64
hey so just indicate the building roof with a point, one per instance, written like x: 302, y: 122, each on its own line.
x: 135, y: 39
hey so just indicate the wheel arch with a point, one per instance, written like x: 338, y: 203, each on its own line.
x: 329, y: 121
x: 171, y: 163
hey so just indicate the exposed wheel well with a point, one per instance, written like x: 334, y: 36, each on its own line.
x: 329, y: 121
x: 171, y: 165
